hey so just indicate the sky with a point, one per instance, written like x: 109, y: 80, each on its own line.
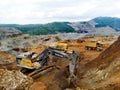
x: 46, y: 11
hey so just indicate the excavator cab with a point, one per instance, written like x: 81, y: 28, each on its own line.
x: 25, y: 60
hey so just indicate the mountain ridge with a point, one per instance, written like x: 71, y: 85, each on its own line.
x: 66, y: 27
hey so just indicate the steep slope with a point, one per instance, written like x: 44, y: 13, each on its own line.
x: 103, y: 72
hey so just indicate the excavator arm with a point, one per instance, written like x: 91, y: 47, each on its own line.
x: 72, y: 56
x: 43, y: 59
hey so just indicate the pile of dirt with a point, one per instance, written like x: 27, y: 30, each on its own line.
x: 8, y: 61
x: 7, y: 57
x: 56, y: 79
x: 14, y: 80
x: 103, y: 72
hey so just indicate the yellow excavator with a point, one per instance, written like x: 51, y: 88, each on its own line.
x: 41, y: 62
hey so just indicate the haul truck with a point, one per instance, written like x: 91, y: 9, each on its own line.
x: 94, y: 45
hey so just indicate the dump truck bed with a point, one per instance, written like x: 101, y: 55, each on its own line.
x: 62, y: 45
x: 91, y: 44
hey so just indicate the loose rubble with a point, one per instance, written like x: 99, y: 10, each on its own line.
x: 14, y: 80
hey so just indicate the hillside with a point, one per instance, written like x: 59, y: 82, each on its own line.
x: 66, y: 27
x: 108, y: 21
x: 98, y: 22
x: 42, y: 29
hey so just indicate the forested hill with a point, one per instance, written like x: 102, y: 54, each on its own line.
x: 108, y: 21
x: 40, y: 29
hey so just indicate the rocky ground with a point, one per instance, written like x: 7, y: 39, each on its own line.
x: 14, y: 80
x: 24, y: 40
x: 9, y: 32
x: 97, y: 70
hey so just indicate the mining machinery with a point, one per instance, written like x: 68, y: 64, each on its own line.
x: 41, y: 62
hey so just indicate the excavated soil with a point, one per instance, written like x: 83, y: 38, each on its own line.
x: 102, y: 73
x: 90, y: 60
x: 58, y: 79
x: 8, y: 61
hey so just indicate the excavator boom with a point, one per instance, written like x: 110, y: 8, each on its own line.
x: 42, y: 59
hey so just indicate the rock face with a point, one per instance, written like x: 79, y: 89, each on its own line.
x: 103, y: 73
x: 14, y: 80
x: 9, y: 32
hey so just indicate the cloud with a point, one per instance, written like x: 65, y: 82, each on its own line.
x: 103, y: 8
x: 44, y: 11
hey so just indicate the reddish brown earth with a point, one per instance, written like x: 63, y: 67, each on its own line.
x: 38, y: 86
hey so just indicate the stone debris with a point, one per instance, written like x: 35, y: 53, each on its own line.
x: 14, y: 80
